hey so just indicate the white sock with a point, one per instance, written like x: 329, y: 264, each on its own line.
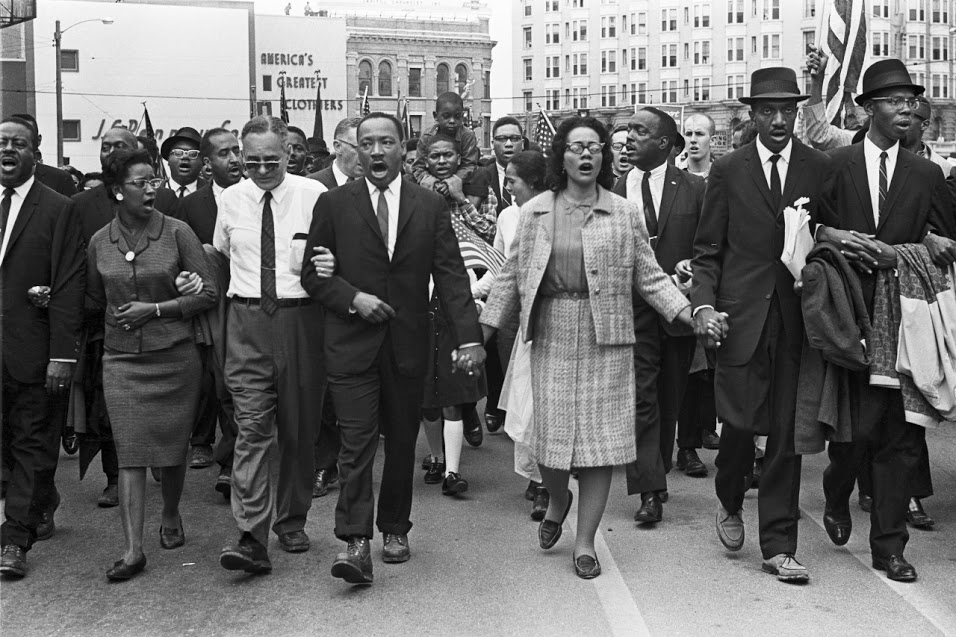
x: 433, y: 436
x: 454, y: 437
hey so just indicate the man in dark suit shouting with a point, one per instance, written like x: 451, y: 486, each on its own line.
x: 671, y: 200
x: 40, y: 245
x: 737, y: 271
x: 389, y: 237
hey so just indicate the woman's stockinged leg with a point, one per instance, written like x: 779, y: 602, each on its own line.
x: 556, y: 482
x: 594, y: 485
x: 132, y: 501
x: 172, y: 485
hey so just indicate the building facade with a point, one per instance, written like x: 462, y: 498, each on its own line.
x: 609, y: 55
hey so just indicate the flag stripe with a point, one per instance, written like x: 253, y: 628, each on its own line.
x: 845, y: 43
x: 475, y: 252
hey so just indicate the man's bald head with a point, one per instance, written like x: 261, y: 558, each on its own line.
x: 116, y: 138
x: 698, y: 130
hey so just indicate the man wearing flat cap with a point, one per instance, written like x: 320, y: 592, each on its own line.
x: 181, y: 152
x: 740, y: 282
x: 882, y: 196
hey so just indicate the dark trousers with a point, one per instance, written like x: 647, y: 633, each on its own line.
x: 698, y: 411
x: 750, y: 397
x: 228, y: 430
x: 328, y: 440
x: 921, y: 482
x: 275, y: 371
x: 207, y: 414
x: 661, y: 363
x: 894, y: 447
x: 34, y: 445
x: 359, y: 400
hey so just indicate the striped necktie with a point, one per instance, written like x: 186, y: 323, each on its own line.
x: 884, y: 185
x: 267, y: 256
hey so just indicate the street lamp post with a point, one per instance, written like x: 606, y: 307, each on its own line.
x: 57, y: 36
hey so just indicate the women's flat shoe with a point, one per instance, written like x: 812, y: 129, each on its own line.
x: 172, y: 538
x: 587, y: 567
x: 550, y: 532
x: 122, y: 571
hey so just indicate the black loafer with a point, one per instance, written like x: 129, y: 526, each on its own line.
x: 896, y: 567
x: 838, y: 526
x: 540, y: 506
x: 474, y: 434
x: 587, y: 567
x: 916, y: 516
x: 494, y: 421
x: 549, y: 532
x: 172, y: 538
x: 122, y: 571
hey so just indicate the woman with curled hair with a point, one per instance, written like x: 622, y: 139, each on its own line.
x: 580, y: 254
x: 151, y: 365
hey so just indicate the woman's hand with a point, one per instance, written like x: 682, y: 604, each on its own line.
x: 188, y: 283
x: 134, y: 314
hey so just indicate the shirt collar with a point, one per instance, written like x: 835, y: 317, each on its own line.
x: 340, y: 176
x: 395, y: 187
x: 656, y: 172
x: 216, y: 189
x: 765, y: 153
x: 277, y: 193
x: 871, y: 152
x: 23, y: 188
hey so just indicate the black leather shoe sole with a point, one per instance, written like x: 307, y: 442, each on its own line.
x: 898, y: 572
x: 17, y: 571
x: 237, y: 561
x: 122, y: 571
x: 349, y: 571
x: 299, y: 547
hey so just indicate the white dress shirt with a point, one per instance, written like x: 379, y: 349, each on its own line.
x: 340, y: 177
x: 507, y: 229
x: 871, y: 157
x: 217, y: 193
x: 393, y: 194
x: 783, y: 164
x: 635, y: 178
x: 190, y: 188
x: 238, y: 233
x: 16, y: 202
x: 501, y: 180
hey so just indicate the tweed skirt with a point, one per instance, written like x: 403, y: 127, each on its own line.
x: 152, y: 399
x: 584, y: 393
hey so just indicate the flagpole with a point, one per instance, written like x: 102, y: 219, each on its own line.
x: 318, y: 128
x: 546, y: 118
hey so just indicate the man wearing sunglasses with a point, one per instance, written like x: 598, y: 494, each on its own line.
x: 181, y: 152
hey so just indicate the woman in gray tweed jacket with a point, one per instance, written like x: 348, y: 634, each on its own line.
x: 579, y: 255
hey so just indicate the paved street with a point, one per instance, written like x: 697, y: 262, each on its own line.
x: 476, y: 569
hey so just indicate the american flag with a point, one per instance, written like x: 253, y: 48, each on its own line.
x: 476, y: 253
x: 844, y: 41
x: 283, y: 105
x: 151, y: 134
x: 543, y: 132
x: 364, y: 105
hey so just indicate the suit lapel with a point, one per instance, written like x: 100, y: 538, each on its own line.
x: 672, y: 183
x: 858, y: 177
x: 900, y: 177
x: 406, y: 207
x: 756, y: 173
x: 23, y: 217
x: 795, y: 171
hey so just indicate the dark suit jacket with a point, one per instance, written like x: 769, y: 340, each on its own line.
x: 95, y: 208
x: 345, y: 223
x: 325, y: 177
x: 478, y: 185
x: 45, y: 248
x: 57, y: 180
x: 199, y: 210
x: 737, y: 267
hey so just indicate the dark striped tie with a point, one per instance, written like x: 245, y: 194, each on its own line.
x: 382, y: 213
x: 5, y: 205
x: 884, y: 185
x: 182, y: 192
x: 650, y: 214
x: 776, y: 190
x: 267, y: 257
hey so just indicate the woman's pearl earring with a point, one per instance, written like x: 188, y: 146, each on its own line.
x: 119, y: 196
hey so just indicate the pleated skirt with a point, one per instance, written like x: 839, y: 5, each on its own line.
x: 584, y: 393
x: 152, y: 399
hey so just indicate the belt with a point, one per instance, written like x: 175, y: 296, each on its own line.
x: 281, y: 302
x: 567, y: 295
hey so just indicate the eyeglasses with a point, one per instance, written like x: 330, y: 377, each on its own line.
x: 179, y: 153
x: 156, y: 183
x: 253, y: 166
x: 447, y: 155
x: 896, y: 101
x: 617, y: 145
x: 576, y: 148
x: 339, y: 139
x: 514, y: 139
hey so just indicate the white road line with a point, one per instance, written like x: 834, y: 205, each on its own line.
x: 938, y: 614
x: 620, y: 609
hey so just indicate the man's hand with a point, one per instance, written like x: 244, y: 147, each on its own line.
x: 371, y: 308
x: 683, y: 271
x: 323, y: 261
x: 39, y: 296
x: 442, y: 189
x: 134, y: 314
x: 885, y: 257
x: 188, y: 283
x: 59, y: 375
x: 941, y: 250
x: 455, y: 191
x: 469, y: 359
x: 711, y: 327
x: 861, y: 250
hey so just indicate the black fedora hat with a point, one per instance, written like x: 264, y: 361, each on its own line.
x: 774, y: 83
x: 185, y: 133
x: 318, y: 145
x: 885, y: 74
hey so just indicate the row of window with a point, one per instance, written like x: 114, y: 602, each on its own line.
x: 443, y: 82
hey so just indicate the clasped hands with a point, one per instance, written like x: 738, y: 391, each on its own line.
x: 711, y: 327
x: 863, y: 251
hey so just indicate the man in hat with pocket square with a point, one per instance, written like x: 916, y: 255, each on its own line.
x: 181, y: 152
x: 740, y: 283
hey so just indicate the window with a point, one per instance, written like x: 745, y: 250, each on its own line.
x: 553, y: 96
x: 809, y: 39
x: 461, y: 78
x: 384, y: 78
x: 527, y: 69
x: 604, y: 27
x: 668, y: 19
x: 735, y: 49
x: 668, y: 55
x: 527, y: 37
x: 686, y: 88
x: 735, y: 86
x: 441, y: 79
x: 365, y: 77
x: 612, y: 27
x: 940, y: 86
x: 686, y: 50
x: 940, y: 14
x: 584, y: 31
x: 809, y: 8
x: 686, y: 15
x: 567, y: 98
x: 642, y: 59
x: 702, y: 89
x: 608, y: 95
x: 702, y: 52
x: 917, y: 10
x: 771, y: 46
x: 414, y: 82
x: 552, y: 34
x: 527, y: 7
x: 917, y: 48
x: 941, y: 48
x: 608, y: 62
x: 753, y: 44
x: 71, y: 129
x: 641, y: 24
x: 881, y: 44
x: 487, y: 87
x: 552, y: 66
x: 12, y: 43
x: 735, y: 11
x: 701, y: 15
x: 642, y: 92
x: 527, y: 100
x: 624, y: 59
x: 669, y: 91
x: 881, y: 8
x: 771, y: 9
x: 70, y: 61
x: 623, y: 93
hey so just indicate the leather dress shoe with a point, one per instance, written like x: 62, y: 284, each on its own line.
x: 663, y: 495
x: 454, y: 484
x: 426, y: 462
x: 109, y: 498
x: 586, y: 567
x: 651, y: 510
x: 549, y: 531
x: 355, y: 565
x: 294, y: 542
x: 531, y: 491
x: 172, y: 538
x: 837, y: 527
x: 494, y: 421
x: 201, y: 457
x: 396, y: 548
x: 539, y: 508
x: 474, y: 433
x: 224, y: 482
x: 47, y: 527
x: 122, y: 571
x: 435, y: 472
x: 13, y: 561
x: 690, y: 463
x: 896, y: 567
x: 711, y: 440
x: 916, y: 516
x: 730, y: 528
x: 246, y: 555
x: 71, y: 442
x: 786, y: 567
x: 323, y: 478
x: 866, y: 503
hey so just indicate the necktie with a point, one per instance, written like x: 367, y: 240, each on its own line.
x: 650, y: 214
x: 182, y: 192
x: 382, y: 213
x: 505, y: 196
x: 267, y: 248
x: 5, y: 211
x: 776, y: 192
x: 884, y: 185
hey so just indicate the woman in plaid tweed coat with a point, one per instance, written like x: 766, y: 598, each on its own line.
x: 578, y: 257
